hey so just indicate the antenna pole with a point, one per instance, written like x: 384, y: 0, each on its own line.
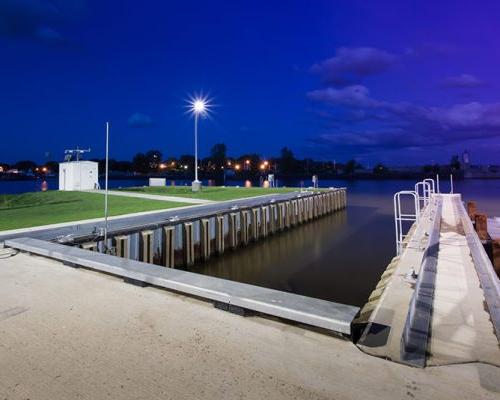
x: 106, y: 190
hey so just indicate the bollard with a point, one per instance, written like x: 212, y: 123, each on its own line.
x: 168, y: 246
x: 481, y: 226
x: 495, y: 244
x: 264, y: 221
x: 254, y: 224
x: 471, y: 209
x: 146, y: 246
x: 188, y: 243
x: 233, y: 230
x: 121, y: 246
x: 205, y: 238
x: 219, y: 234
x: 344, y: 197
x: 272, y: 218
x: 244, y: 227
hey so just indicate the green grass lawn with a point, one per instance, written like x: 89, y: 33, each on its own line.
x: 215, y: 193
x: 42, y: 208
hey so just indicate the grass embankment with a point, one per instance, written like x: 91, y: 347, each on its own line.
x: 209, y: 193
x: 42, y: 208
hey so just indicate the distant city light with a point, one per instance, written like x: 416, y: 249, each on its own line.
x: 237, y: 166
x: 185, y: 167
x: 44, y: 169
x: 247, y: 162
x: 266, y: 163
x: 163, y: 166
x: 262, y: 166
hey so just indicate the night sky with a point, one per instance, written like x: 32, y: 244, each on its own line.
x: 401, y: 82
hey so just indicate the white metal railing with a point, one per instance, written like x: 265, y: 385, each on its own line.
x: 423, y: 191
x: 400, y: 216
x: 432, y: 183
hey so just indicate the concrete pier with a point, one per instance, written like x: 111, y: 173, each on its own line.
x: 449, y: 313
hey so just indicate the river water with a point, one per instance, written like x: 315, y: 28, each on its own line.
x: 339, y: 257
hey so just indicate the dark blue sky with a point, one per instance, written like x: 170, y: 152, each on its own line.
x: 400, y: 82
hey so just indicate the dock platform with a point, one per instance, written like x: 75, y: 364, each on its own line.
x: 456, y: 319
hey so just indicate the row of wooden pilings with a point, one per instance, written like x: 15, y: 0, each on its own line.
x: 185, y: 242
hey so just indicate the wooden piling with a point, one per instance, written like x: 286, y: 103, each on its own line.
x: 188, y: 243
x: 481, y: 226
x: 273, y: 213
x: 146, y: 246
x: 122, y: 246
x: 264, y: 221
x: 205, y: 250
x: 495, y: 247
x: 233, y: 230
x: 245, y: 227
x: 472, y: 209
x: 219, y: 234
x: 168, y: 246
x: 254, y: 224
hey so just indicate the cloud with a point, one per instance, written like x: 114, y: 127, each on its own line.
x: 381, y: 125
x: 350, y: 96
x: 350, y: 64
x: 38, y: 20
x: 465, y: 81
x: 139, y: 120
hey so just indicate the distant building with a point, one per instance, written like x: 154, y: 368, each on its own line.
x: 78, y: 175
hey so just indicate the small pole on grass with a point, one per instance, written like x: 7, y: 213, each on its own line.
x: 106, y: 191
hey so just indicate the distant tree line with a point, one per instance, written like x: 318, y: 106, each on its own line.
x: 218, y: 163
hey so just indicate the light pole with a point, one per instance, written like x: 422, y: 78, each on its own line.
x: 198, y: 107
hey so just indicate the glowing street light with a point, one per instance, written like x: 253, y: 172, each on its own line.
x: 199, y: 107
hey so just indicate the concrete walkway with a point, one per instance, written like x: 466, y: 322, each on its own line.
x: 71, y: 333
x: 461, y: 327
x: 154, y: 197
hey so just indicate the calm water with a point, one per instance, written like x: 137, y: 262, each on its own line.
x: 339, y: 257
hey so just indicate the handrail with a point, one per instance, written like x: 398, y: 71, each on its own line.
x: 417, y: 326
x: 432, y: 183
x: 426, y: 192
x: 399, y: 217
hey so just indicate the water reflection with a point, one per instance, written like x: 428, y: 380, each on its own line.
x: 338, y: 257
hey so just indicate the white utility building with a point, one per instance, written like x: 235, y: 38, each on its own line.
x: 78, y: 175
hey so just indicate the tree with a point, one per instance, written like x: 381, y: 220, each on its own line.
x: 218, y: 154
x: 25, y: 165
x: 154, y: 159
x: 140, y: 163
x: 455, y: 163
x: 380, y: 169
x: 187, y: 160
x: 350, y: 166
x: 288, y: 163
x: 53, y: 166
